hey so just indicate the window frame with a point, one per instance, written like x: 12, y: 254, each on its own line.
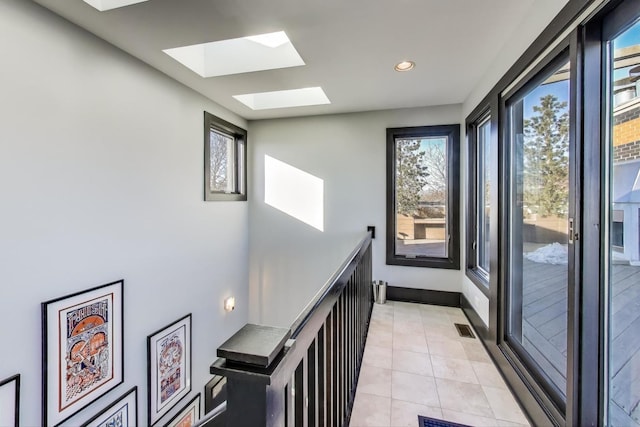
x: 452, y: 134
x: 543, y: 388
x: 239, y: 135
x: 473, y: 270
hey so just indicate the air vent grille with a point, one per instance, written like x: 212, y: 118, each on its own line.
x: 464, y: 330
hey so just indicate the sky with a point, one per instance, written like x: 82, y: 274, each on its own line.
x: 424, y: 143
x: 559, y: 89
x: 629, y: 37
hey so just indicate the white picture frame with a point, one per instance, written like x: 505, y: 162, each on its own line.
x: 82, y: 350
x: 169, y: 367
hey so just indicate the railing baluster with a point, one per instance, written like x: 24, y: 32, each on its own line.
x: 350, y: 325
x: 312, y: 386
x: 300, y: 395
x: 331, y: 357
x: 335, y: 368
x: 339, y: 358
x: 360, y: 321
x: 322, y: 379
x: 343, y: 376
x: 354, y: 353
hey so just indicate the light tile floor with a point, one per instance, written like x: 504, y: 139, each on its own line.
x: 416, y: 364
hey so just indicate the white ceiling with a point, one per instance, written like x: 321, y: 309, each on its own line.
x: 349, y: 46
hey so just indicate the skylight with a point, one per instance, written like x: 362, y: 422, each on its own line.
x: 284, y: 98
x: 103, y: 5
x: 242, y: 55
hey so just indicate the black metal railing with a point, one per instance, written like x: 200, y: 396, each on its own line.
x: 305, y: 376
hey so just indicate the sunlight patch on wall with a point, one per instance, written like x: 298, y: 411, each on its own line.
x: 294, y: 192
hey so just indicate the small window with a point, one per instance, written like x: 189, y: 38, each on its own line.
x: 225, y: 168
x: 423, y: 196
x: 479, y: 202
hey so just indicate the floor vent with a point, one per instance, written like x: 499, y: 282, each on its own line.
x: 464, y: 330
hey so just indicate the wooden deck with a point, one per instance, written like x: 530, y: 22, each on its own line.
x: 545, y: 332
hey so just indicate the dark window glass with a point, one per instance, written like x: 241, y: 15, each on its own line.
x: 538, y: 119
x: 225, y: 160
x: 478, y: 229
x: 483, y: 192
x: 221, y: 162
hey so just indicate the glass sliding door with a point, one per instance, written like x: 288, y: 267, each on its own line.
x: 538, y: 226
x: 622, y: 219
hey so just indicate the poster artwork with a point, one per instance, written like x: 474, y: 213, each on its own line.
x: 170, y: 365
x: 118, y: 418
x: 186, y: 421
x: 88, y: 348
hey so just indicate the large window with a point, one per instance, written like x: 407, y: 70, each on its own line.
x: 225, y: 160
x: 423, y: 196
x: 479, y: 197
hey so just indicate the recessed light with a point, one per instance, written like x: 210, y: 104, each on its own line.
x: 404, y: 66
x: 103, y: 5
x: 284, y: 98
x: 235, y: 56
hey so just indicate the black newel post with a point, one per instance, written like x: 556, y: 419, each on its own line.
x: 249, y: 360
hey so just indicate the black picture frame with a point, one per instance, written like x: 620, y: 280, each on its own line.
x: 82, y: 349
x: 215, y: 392
x: 168, y: 384
x: 10, y: 398
x: 193, y: 408
x: 108, y: 413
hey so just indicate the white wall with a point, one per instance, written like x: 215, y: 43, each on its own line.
x: 290, y: 260
x: 101, y: 179
x: 540, y: 14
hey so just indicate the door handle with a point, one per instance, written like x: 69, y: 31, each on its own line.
x: 573, y: 236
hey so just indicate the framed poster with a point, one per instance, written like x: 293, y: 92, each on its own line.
x: 10, y: 401
x: 169, y: 367
x: 187, y: 415
x: 82, y: 350
x: 121, y: 413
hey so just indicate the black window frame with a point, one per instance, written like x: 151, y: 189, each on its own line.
x: 474, y: 272
x: 239, y: 135
x: 452, y: 133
